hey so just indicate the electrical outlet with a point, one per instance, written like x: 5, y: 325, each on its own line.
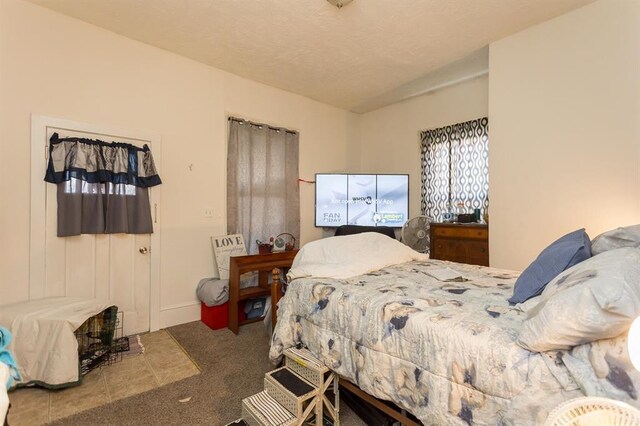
x: 208, y: 212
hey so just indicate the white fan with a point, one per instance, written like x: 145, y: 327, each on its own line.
x: 594, y: 411
x: 415, y: 233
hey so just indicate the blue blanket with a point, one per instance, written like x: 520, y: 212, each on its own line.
x: 7, y: 358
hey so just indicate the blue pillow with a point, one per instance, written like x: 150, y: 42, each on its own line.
x: 562, y: 254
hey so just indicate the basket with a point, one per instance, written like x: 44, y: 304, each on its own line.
x: 264, y: 248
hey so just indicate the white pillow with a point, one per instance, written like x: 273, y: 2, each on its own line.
x: 595, y: 299
x: 350, y: 255
x: 629, y: 236
x: 528, y: 304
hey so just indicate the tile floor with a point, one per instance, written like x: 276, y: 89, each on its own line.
x: 164, y: 361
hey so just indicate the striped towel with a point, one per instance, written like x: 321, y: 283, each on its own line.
x: 269, y: 410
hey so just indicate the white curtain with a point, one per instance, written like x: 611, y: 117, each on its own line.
x: 263, y: 199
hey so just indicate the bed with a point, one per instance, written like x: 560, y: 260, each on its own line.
x: 439, y: 339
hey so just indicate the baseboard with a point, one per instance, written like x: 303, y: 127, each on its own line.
x: 179, y: 314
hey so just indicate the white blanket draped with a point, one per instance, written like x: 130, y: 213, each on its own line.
x: 44, y: 343
x: 350, y: 255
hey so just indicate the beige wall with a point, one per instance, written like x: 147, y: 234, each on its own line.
x: 389, y: 137
x: 57, y: 66
x: 562, y: 98
x: 564, y: 129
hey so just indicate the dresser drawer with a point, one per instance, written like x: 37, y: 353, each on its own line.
x: 460, y: 243
x: 461, y: 232
x: 475, y: 252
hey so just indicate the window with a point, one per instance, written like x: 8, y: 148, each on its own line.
x: 262, y: 182
x: 455, y: 168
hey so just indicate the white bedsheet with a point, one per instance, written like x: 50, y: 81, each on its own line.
x: 350, y: 255
x: 44, y: 343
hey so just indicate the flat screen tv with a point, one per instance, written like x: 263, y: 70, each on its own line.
x: 361, y: 199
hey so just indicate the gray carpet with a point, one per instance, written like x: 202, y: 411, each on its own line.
x: 233, y: 368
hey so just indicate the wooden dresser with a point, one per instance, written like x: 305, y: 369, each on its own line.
x: 460, y: 242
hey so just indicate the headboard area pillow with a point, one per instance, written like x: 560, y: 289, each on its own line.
x: 596, y: 299
x: 562, y: 254
x: 350, y: 255
x: 628, y: 236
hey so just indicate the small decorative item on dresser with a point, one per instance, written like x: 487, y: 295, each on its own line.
x: 284, y: 242
x: 459, y: 211
x: 225, y: 246
x: 264, y: 248
x: 466, y: 218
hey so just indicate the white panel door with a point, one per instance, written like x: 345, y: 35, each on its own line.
x: 110, y: 266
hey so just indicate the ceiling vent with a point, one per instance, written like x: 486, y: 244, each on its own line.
x: 339, y: 3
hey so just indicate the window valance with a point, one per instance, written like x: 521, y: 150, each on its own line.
x: 95, y: 161
x: 102, y: 187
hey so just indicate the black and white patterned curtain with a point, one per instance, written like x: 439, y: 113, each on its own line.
x: 455, y: 168
x: 102, y: 186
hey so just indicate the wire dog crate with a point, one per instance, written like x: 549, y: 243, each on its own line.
x: 100, y: 340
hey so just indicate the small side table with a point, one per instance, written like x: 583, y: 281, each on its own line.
x: 264, y: 264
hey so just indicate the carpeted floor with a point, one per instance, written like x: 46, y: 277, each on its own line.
x: 233, y: 368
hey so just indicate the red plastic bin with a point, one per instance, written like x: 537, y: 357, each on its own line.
x: 217, y: 317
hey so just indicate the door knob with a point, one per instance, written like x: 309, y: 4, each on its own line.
x: 143, y: 250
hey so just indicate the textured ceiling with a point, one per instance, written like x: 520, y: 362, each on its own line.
x: 344, y: 57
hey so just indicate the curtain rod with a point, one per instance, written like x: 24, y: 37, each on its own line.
x: 456, y: 125
x: 260, y: 125
x: 56, y: 139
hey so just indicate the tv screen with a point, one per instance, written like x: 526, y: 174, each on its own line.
x: 361, y: 199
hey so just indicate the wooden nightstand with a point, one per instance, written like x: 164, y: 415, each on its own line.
x: 264, y: 264
x: 460, y: 242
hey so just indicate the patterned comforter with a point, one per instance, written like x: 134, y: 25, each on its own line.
x: 444, y: 350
